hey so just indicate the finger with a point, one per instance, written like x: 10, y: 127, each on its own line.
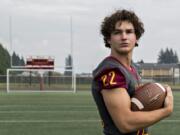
x: 169, y: 92
x: 168, y: 88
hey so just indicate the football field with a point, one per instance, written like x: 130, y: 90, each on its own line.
x: 63, y: 114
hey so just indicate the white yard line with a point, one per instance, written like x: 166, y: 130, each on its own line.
x: 170, y: 121
x: 68, y: 121
x: 49, y: 121
x: 64, y: 106
x: 44, y: 111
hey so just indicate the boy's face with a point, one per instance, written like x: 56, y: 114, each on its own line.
x: 123, y: 38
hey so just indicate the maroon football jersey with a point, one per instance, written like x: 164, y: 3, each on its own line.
x: 108, y: 75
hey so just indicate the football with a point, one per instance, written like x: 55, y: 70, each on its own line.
x: 148, y: 97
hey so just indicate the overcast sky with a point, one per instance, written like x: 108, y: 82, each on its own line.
x: 43, y: 27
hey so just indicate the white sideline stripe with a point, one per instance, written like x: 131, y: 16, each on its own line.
x: 38, y: 91
x: 68, y: 121
x: 138, y: 103
x: 66, y: 111
x: 48, y: 121
x: 158, y: 84
x: 170, y: 121
x: 65, y: 106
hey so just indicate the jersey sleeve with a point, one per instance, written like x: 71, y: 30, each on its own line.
x: 111, y: 78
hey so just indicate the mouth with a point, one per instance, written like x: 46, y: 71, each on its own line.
x: 124, y: 44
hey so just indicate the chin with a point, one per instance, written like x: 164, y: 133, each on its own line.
x: 124, y: 51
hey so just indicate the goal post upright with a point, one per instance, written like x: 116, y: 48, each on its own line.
x: 7, y: 80
x: 74, y: 80
x: 72, y: 55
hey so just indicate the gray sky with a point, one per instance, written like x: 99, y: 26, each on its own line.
x: 42, y: 27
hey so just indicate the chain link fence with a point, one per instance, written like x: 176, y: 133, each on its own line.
x: 82, y: 82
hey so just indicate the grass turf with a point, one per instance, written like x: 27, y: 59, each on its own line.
x: 63, y: 114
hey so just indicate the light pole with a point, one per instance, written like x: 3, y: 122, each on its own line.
x: 10, y: 39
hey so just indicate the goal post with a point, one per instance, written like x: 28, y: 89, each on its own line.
x: 40, y: 80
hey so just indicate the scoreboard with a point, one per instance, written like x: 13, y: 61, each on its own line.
x: 40, y: 63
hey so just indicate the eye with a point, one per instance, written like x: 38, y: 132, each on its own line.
x: 116, y: 32
x: 129, y: 31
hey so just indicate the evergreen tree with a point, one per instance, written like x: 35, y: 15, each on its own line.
x: 140, y: 62
x: 22, y: 63
x: 68, y: 66
x: 16, y: 60
x: 4, y: 60
x: 167, y: 56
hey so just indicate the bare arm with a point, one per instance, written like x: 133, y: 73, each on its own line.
x: 118, y: 104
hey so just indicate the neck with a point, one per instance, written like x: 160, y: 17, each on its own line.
x: 124, y: 59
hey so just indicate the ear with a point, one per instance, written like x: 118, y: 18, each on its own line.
x: 136, y: 44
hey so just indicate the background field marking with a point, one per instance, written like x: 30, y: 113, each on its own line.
x: 44, y: 111
x: 64, y: 106
x: 49, y: 121
x: 68, y: 121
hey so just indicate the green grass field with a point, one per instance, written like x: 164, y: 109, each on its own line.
x: 63, y: 114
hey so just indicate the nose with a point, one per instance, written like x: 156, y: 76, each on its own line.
x: 124, y: 35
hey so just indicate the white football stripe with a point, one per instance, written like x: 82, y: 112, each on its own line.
x: 161, y: 86
x: 137, y: 102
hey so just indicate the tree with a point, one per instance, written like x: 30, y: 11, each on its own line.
x: 167, y: 56
x: 4, y: 60
x: 140, y: 62
x: 68, y: 65
x: 16, y: 60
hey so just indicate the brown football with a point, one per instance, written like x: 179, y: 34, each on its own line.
x: 148, y: 97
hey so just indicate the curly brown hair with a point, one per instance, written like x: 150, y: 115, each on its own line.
x: 108, y: 25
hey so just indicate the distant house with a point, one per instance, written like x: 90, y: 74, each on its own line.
x: 164, y: 72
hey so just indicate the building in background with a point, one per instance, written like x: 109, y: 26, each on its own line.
x: 160, y: 72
